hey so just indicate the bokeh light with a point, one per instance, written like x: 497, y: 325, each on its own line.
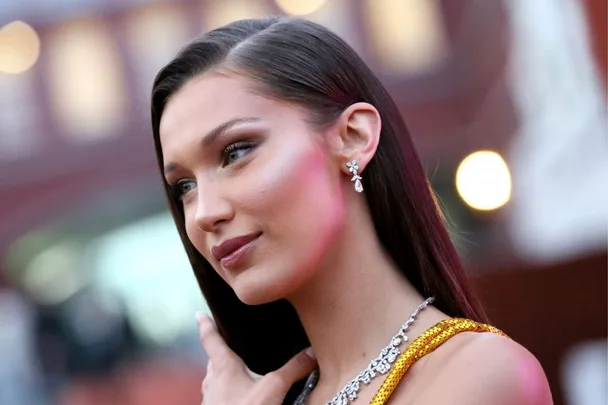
x: 52, y: 276
x: 483, y: 181
x: 300, y: 7
x: 87, y: 90
x: 19, y: 47
x: 408, y: 35
x: 153, y: 33
x: 221, y: 12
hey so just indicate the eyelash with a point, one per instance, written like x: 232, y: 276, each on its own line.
x: 175, y: 188
x: 235, y: 147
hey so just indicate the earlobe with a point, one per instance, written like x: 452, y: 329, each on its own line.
x: 359, y: 130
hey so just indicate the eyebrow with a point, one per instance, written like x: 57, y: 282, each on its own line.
x: 216, y: 133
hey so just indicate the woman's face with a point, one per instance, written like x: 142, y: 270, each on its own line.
x: 262, y: 197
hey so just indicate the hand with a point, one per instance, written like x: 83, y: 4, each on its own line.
x: 230, y: 382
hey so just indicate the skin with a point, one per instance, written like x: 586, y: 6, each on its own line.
x: 317, y: 248
x: 261, y: 191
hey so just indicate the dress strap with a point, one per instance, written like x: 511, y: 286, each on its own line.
x: 426, y: 343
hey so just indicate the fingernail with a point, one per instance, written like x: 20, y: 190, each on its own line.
x: 200, y: 315
x: 310, y: 353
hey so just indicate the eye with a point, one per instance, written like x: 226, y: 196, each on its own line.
x: 235, y: 151
x: 182, y: 187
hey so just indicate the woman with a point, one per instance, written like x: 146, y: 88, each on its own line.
x: 309, y: 221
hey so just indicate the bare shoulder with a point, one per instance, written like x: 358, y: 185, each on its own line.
x: 482, y: 368
x: 498, y: 370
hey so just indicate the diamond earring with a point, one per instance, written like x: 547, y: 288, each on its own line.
x: 353, y: 167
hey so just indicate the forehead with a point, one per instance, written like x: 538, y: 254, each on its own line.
x: 209, y: 100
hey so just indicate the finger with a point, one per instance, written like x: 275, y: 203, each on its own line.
x: 212, y: 342
x: 299, y: 367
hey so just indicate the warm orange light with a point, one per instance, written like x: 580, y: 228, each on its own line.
x: 408, y: 35
x: 300, y: 7
x: 483, y: 181
x: 222, y: 12
x: 86, y: 83
x: 19, y: 47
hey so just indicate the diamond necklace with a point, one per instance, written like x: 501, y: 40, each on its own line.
x: 380, y: 365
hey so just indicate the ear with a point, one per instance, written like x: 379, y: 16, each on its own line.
x: 356, y: 135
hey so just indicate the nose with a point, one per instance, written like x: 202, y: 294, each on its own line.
x: 212, y: 210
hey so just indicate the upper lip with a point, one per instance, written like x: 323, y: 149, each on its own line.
x: 230, y: 245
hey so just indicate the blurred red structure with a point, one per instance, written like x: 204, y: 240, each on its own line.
x: 597, y: 15
x: 549, y: 309
x: 146, y: 383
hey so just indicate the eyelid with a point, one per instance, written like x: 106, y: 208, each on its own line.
x: 250, y: 134
x: 237, y: 145
x: 174, y: 188
x: 175, y: 183
x: 235, y: 138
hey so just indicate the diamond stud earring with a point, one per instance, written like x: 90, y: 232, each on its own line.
x: 353, y: 167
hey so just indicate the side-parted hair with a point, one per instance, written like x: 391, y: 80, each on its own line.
x: 301, y: 62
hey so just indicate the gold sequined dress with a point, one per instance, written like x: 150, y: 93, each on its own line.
x: 426, y: 343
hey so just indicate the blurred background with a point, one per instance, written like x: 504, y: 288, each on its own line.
x: 505, y: 99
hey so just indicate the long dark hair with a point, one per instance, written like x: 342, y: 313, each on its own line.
x: 304, y: 63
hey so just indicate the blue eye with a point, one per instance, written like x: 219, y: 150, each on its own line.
x: 183, y: 187
x: 235, y: 151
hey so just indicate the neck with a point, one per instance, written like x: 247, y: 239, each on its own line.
x: 354, y: 304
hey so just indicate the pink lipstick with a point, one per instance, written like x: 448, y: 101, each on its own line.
x: 231, y: 251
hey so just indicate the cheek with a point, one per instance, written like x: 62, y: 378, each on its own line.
x: 295, y: 198
x: 195, y: 235
x: 302, y: 201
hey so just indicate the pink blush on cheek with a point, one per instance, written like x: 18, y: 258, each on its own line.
x: 289, y: 180
x: 298, y: 203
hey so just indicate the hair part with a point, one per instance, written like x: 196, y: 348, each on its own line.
x: 301, y: 62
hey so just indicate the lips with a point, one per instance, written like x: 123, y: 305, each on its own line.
x: 229, y: 246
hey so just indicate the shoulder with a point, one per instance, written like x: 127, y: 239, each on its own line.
x: 483, y: 368
x: 498, y: 370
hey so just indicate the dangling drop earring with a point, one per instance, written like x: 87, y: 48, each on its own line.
x: 353, y: 167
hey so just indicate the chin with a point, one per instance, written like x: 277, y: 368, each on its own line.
x: 254, y: 289
x: 254, y: 296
